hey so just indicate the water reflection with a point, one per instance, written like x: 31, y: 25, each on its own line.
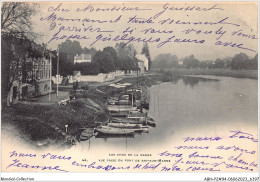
x: 191, y: 81
x: 186, y: 104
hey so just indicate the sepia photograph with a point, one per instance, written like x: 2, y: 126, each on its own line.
x: 129, y: 87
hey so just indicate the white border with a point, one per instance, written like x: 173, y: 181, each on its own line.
x: 133, y: 176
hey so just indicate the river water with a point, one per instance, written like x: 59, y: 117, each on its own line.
x: 189, y: 104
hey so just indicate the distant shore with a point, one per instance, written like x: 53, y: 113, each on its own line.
x: 252, y: 74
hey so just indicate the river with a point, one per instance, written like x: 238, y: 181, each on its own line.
x: 190, y: 104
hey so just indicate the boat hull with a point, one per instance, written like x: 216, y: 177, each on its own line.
x: 123, y: 120
x: 114, y: 131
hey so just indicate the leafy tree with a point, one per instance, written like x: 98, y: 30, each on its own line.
x: 67, y: 51
x: 91, y: 51
x: 126, y: 55
x: 16, y: 29
x: 227, y: 61
x: 16, y: 18
x: 113, y: 57
x: 203, y: 64
x: 146, y: 52
x: 239, y: 61
x: 105, y: 61
x: 166, y: 61
x: 191, y: 62
x: 255, y: 62
x: 219, y: 63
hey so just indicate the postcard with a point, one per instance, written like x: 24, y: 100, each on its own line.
x: 130, y: 87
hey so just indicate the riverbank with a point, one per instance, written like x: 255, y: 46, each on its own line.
x: 45, y: 125
x: 252, y: 74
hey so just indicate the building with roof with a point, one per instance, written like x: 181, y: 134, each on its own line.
x: 143, y: 58
x: 82, y: 58
x: 141, y: 66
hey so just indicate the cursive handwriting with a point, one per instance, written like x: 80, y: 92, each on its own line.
x: 17, y: 163
x: 223, y: 21
x: 15, y: 154
x: 202, y: 139
x: 123, y: 8
x: 234, y: 148
x: 127, y: 38
x: 243, y: 135
x: 192, y: 147
x: 166, y: 7
x: 53, y: 17
x: 53, y: 156
x: 93, y: 165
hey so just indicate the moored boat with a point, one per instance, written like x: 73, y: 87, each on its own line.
x: 125, y: 120
x: 126, y: 125
x: 114, y: 131
x: 87, y: 134
x: 120, y: 108
x: 150, y: 122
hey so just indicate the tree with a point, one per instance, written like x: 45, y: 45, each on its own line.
x: 255, y: 62
x: 105, y: 61
x: 166, y: 61
x: 146, y: 52
x: 203, y: 64
x: 113, y: 57
x: 191, y: 62
x: 16, y: 30
x: 126, y: 55
x: 68, y: 50
x: 239, y: 61
x: 227, y: 61
x: 16, y: 18
x: 219, y: 63
x: 91, y: 51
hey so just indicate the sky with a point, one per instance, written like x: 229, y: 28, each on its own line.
x: 231, y: 25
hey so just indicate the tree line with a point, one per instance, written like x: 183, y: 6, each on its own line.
x: 237, y: 62
x: 107, y: 60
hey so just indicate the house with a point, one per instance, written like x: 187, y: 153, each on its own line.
x: 143, y: 58
x: 82, y: 58
x: 35, y: 82
x: 41, y: 73
x: 141, y: 66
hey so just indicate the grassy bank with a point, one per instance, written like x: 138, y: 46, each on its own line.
x: 45, y: 125
x: 252, y: 74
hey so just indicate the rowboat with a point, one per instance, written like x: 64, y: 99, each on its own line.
x: 144, y: 129
x: 87, y: 134
x: 150, y: 122
x: 114, y: 131
x: 124, y: 120
x: 119, y: 108
x: 126, y: 125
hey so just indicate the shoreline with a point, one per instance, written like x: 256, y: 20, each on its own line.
x: 251, y: 74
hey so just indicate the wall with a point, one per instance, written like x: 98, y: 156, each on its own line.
x: 100, y: 77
